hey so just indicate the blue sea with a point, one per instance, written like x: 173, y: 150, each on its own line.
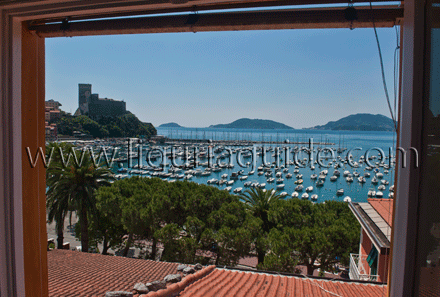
x: 341, y: 142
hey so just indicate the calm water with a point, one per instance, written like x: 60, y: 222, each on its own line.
x: 339, y: 139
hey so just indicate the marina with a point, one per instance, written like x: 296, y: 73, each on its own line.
x: 344, y: 176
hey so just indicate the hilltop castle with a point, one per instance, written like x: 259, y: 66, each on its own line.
x: 94, y: 107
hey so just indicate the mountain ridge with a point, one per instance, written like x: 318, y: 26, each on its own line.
x: 246, y: 123
x: 359, y: 122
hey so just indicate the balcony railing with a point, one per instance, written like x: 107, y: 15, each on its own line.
x: 357, y: 270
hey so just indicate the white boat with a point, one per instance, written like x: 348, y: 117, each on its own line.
x: 247, y: 184
x: 299, y: 188
x: 384, y: 182
x: 313, y: 176
x: 349, y: 179
x: 371, y: 193
x: 361, y: 179
x: 244, y: 177
x: 280, y: 180
x: 224, y: 176
x: 333, y: 178
x: 305, y: 196
x: 309, y: 189
x: 280, y: 186
x: 238, y: 190
x: 228, y: 189
x: 299, y: 176
x: 379, y: 194
x: 347, y: 199
x: 262, y: 185
x: 270, y: 180
x: 381, y: 187
x: 320, y: 183
x: 212, y: 181
x: 379, y: 175
x: 251, y: 172
x: 346, y: 173
x: 340, y: 192
x: 278, y: 174
x: 374, y: 181
x: 231, y: 182
x: 314, y: 197
x: 295, y: 195
x: 289, y: 175
x: 283, y: 194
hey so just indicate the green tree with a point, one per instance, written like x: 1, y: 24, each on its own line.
x: 74, y: 186
x: 57, y: 206
x: 259, y: 203
x: 315, y: 235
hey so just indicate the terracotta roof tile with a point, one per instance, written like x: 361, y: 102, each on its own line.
x: 223, y: 282
x: 81, y: 274
x: 384, y: 207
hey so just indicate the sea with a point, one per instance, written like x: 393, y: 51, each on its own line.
x: 377, y: 147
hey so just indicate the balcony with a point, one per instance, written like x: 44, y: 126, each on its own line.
x: 357, y: 270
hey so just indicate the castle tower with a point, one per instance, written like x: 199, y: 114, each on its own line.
x: 84, y: 92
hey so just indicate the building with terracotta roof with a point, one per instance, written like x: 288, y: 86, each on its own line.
x: 375, y: 218
x: 83, y: 274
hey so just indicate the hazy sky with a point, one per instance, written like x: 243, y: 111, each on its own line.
x: 301, y: 78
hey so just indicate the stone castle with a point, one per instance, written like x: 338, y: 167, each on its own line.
x: 94, y: 107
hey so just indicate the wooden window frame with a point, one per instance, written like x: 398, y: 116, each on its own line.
x: 23, y: 256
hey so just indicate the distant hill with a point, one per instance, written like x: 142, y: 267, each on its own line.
x: 252, y: 124
x: 170, y: 125
x: 360, y: 122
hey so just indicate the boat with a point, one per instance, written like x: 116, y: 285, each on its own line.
x: 367, y: 174
x: 262, y: 185
x: 333, y: 178
x: 280, y: 180
x: 313, y: 176
x: 320, y: 183
x: 298, y: 182
x: 347, y: 199
x: 361, y: 179
x: 228, y: 189
x: 247, y: 184
x: 238, y: 190
x: 305, y: 196
x: 379, y: 194
x: 299, y: 176
x: 270, y: 180
x: 346, y: 173
x: 224, y: 176
x: 371, y: 193
x: 379, y: 175
x: 231, y: 182
x: 309, y: 189
x: 340, y: 192
x: 295, y: 195
x: 289, y: 175
x: 212, y: 181
x: 349, y: 179
x: 283, y: 194
x: 374, y: 181
x: 244, y: 177
x: 280, y: 186
x: 384, y: 182
x: 279, y: 174
x: 299, y: 188
x: 381, y: 187
x: 251, y: 172
x: 314, y: 197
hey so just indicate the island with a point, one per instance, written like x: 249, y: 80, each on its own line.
x: 170, y: 125
x: 360, y: 122
x: 246, y: 123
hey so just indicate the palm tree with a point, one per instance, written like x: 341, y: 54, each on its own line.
x: 74, y: 186
x: 258, y: 202
x: 57, y: 207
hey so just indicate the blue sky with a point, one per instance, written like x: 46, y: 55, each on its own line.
x: 301, y: 78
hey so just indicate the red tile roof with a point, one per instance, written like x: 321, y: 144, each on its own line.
x: 82, y: 274
x: 384, y: 207
x: 223, y: 282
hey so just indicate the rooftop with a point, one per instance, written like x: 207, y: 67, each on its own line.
x: 81, y: 274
